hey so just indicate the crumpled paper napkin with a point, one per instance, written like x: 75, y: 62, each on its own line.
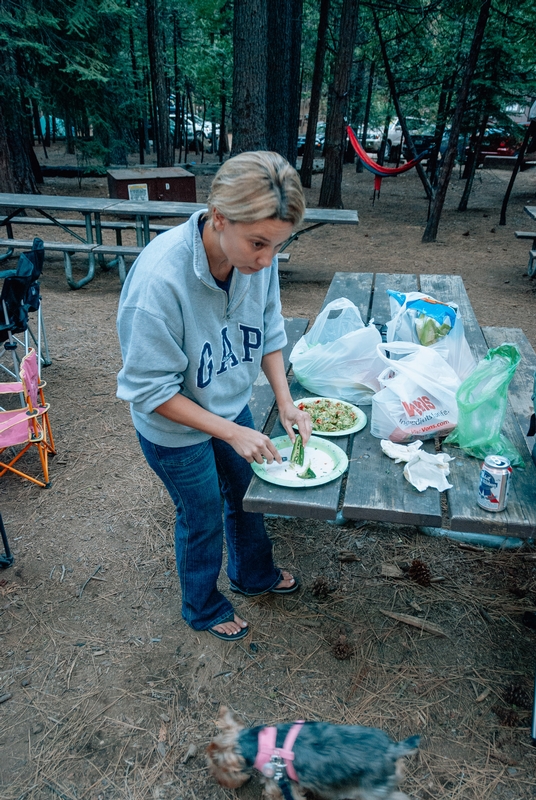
x: 422, y: 469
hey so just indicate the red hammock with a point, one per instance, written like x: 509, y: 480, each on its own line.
x: 378, y: 170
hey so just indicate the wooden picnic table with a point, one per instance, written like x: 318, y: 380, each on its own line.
x: 93, y: 207
x: 373, y: 487
x: 143, y: 211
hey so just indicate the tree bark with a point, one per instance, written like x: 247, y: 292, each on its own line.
x: 283, y: 77
x: 531, y: 131
x: 16, y: 174
x: 161, y: 128
x: 249, y: 75
x: 430, y: 233
x: 401, y: 118
x: 306, y: 170
x: 462, y: 206
x: 330, y: 191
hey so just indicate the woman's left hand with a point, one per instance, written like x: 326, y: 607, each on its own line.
x: 289, y: 416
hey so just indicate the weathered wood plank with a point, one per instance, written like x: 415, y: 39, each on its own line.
x: 262, y: 398
x: 450, y: 288
x: 519, y: 518
x: 319, y: 502
x: 376, y: 488
x: 520, y: 390
x: 356, y: 286
x: 381, y: 308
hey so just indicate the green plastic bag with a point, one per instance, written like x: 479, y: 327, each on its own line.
x: 482, y: 399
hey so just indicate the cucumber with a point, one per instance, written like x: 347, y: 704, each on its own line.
x: 298, y: 452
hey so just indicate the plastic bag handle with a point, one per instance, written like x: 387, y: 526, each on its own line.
x: 427, y: 382
x: 401, y: 348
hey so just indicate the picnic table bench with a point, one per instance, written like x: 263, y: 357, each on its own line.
x: 531, y: 268
x: 373, y: 487
x: 92, y: 210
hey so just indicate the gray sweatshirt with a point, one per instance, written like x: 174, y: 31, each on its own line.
x: 179, y: 332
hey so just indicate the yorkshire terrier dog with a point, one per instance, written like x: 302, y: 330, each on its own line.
x: 331, y: 762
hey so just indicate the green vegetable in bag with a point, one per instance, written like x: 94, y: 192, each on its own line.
x: 482, y: 399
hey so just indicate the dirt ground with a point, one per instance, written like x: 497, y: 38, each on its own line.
x: 104, y: 691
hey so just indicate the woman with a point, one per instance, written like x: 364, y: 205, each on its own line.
x: 199, y: 316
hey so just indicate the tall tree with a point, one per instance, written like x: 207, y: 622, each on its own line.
x: 330, y: 191
x: 162, y: 131
x: 283, y: 76
x: 249, y: 75
x: 306, y: 170
x: 430, y: 233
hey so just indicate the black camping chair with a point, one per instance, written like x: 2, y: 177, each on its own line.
x: 7, y: 559
x: 19, y: 298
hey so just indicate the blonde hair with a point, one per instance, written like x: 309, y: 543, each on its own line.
x: 257, y: 185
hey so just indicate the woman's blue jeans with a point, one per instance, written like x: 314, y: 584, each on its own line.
x: 196, y: 477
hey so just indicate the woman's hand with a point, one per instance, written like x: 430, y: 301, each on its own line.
x: 252, y: 445
x: 290, y: 415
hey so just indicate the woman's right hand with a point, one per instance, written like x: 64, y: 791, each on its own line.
x: 252, y: 445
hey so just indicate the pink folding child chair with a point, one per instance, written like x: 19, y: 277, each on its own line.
x: 28, y: 426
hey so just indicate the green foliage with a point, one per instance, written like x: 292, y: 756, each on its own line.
x: 86, y: 61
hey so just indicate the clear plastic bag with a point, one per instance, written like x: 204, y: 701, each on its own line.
x: 418, y: 318
x: 482, y: 400
x: 337, y: 358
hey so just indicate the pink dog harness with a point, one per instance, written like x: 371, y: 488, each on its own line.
x: 268, y: 755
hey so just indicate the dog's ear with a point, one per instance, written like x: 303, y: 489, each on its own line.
x: 408, y: 747
x: 227, y: 720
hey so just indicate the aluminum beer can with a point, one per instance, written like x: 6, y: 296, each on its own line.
x: 494, y: 482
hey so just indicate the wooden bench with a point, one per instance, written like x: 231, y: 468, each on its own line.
x: 67, y: 248
x: 91, y: 250
x: 531, y: 268
x: 116, y: 226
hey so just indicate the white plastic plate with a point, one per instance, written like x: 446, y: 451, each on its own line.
x: 359, y: 424
x: 327, y: 460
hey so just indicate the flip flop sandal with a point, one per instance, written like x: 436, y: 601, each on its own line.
x: 288, y: 590
x: 229, y: 637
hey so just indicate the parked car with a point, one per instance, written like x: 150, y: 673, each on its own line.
x: 394, y: 135
x: 425, y: 141
x: 319, y: 143
x: 500, y: 141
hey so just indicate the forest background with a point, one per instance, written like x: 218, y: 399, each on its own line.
x: 116, y: 76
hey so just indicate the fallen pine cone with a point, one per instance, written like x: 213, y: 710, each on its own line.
x: 506, y: 716
x: 342, y: 648
x: 517, y: 695
x: 320, y: 588
x: 420, y: 573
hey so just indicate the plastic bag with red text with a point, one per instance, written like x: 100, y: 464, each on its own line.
x: 418, y: 395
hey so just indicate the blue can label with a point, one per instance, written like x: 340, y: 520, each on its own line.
x: 493, y: 487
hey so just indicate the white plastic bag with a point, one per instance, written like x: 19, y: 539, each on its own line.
x: 418, y: 398
x: 418, y: 318
x: 338, y: 358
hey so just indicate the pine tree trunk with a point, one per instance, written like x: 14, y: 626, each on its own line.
x: 462, y: 206
x: 249, y: 75
x: 161, y: 128
x: 330, y: 191
x: 430, y: 233
x: 401, y: 118
x: 306, y: 170
x: 283, y: 77
x: 16, y: 174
